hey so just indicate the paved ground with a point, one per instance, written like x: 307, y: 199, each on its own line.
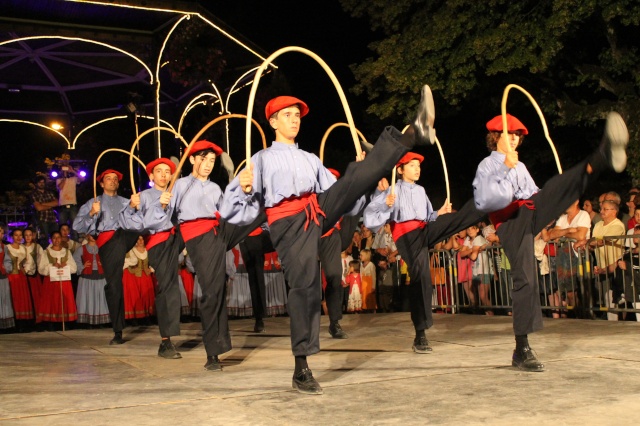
x: 373, y: 378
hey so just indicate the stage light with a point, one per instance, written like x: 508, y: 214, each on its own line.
x: 150, y: 184
x: 57, y: 126
x: 82, y: 173
x: 54, y: 173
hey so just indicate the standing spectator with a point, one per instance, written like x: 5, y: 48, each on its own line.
x: 44, y: 202
x: 462, y: 245
x: 480, y: 268
x: 67, y: 202
x: 608, y: 252
x: 20, y: 292
x: 6, y: 308
x: 631, y: 204
x: 57, y: 301
x: 354, y: 281
x: 346, y: 260
x: 35, y: 280
x: 589, y: 207
x: 574, y: 224
x: 368, y: 277
x: 385, y: 285
x: 91, y: 300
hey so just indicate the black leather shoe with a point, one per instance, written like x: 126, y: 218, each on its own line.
x: 213, y: 363
x: 526, y: 360
x: 616, y: 138
x: 421, y: 345
x: 425, y: 134
x: 304, y: 382
x: 117, y: 339
x: 337, y: 332
x: 168, y: 350
x: 259, y: 326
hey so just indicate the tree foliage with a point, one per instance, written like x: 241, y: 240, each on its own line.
x: 580, y: 56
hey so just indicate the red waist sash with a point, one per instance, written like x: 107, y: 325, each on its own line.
x: 398, y: 229
x: 294, y: 205
x: 153, y: 240
x: 197, y: 227
x: 104, y: 237
x: 500, y: 216
x: 255, y: 232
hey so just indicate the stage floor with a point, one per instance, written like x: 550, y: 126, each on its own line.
x: 373, y: 378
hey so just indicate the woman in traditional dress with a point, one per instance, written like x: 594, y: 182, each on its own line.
x: 91, y: 299
x: 20, y: 293
x: 139, y: 292
x: 34, y: 250
x: 6, y: 308
x: 57, y: 303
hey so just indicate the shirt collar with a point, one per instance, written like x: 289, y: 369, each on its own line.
x: 283, y: 146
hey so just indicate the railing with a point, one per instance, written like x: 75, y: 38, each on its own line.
x: 572, y: 280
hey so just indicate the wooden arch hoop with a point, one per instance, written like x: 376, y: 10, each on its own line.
x: 329, y: 130
x: 505, y: 95
x: 254, y: 89
x: 95, y: 168
x: 137, y: 142
x: 204, y: 129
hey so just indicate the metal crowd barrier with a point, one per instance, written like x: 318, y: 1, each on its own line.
x: 567, y: 283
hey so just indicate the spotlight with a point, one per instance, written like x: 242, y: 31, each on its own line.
x: 82, y: 173
x: 150, y: 184
x: 54, y: 174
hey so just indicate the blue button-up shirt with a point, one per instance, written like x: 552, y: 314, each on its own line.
x: 279, y: 172
x: 496, y: 185
x: 411, y: 203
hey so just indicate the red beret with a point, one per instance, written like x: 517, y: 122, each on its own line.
x: 335, y: 173
x: 166, y: 161
x: 513, y: 124
x: 106, y: 172
x: 408, y: 157
x: 202, y: 145
x: 281, y: 102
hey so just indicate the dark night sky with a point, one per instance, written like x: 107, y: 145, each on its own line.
x: 324, y: 28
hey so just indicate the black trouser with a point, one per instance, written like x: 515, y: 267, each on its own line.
x: 112, y: 255
x: 517, y: 234
x: 298, y: 249
x: 208, y: 256
x: 253, y: 249
x: 163, y: 258
x: 414, y: 249
x: 330, y: 260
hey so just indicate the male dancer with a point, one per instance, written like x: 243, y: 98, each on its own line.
x: 519, y: 210
x: 196, y: 201
x: 303, y: 201
x: 164, y: 244
x: 329, y: 253
x: 104, y: 216
x: 253, y: 249
x: 415, y: 227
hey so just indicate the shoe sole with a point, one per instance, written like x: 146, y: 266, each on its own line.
x: 174, y: 356
x: 529, y: 370
x: 306, y: 392
x: 419, y: 351
x: 213, y: 369
x: 426, y: 100
x: 618, y: 137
